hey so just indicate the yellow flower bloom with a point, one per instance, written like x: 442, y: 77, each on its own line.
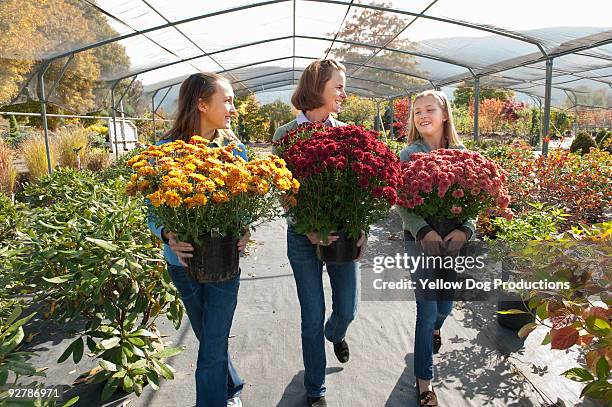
x: 295, y: 186
x: 172, y: 199
x: 198, y: 139
x: 144, y: 184
x: 156, y: 198
x: 197, y: 177
x: 263, y: 187
x: 283, y: 184
x: 146, y: 170
x: 185, y: 187
x: 220, y: 197
x: 139, y: 164
x: 134, y: 159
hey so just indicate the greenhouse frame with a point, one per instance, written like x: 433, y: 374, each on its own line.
x: 289, y: 34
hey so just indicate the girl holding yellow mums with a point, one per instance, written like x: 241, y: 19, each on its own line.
x: 205, y: 108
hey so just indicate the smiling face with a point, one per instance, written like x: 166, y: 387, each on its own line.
x: 334, y: 92
x: 429, y: 117
x: 217, y: 112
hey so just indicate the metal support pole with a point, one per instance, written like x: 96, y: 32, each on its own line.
x: 546, y: 124
x: 153, y: 115
x: 476, y: 108
x: 61, y: 75
x: 377, y: 118
x: 113, y: 107
x: 576, y: 129
x: 158, y: 106
x: 392, y: 112
x: 43, y: 112
x: 127, y: 90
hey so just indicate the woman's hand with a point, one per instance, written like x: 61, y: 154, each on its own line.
x: 243, y: 241
x: 362, y: 243
x: 456, y: 239
x: 314, y: 239
x: 431, y: 243
x: 181, y: 249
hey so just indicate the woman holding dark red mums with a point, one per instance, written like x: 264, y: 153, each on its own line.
x: 320, y: 92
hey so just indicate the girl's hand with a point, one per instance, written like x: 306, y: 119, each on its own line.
x: 314, y: 239
x: 362, y: 243
x: 181, y: 249
x: 243, y: 241
x: 431, y: 243
x: 456, y: 239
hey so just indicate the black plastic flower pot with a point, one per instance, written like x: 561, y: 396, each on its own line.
x: 215, y: 260
x: 343, y: 250
x: 443, y: 226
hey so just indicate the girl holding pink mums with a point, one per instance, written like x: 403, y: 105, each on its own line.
x: 431, y: 128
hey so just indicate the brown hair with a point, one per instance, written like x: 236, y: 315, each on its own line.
x: 201, y: 85
x: 307, y: 95
x: 449, y: 134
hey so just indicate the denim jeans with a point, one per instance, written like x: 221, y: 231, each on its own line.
x: 210, y: 309
x: 431, y: 313
x: 308, y: 274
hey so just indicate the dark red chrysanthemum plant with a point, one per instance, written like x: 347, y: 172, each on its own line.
x: 348, y: 178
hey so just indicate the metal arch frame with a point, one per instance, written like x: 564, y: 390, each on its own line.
x: 288, y: 57
x: 397, y: 35
x: 281, y: 84
x: 286, y: 37
x: 269, y: 2
x: 548, y: 58
x: 300, y: 70
x: 264, y: 3
x: 504, y: 33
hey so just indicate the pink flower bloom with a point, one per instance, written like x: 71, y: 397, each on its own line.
x: 458, y: 193
x: 456, y: 210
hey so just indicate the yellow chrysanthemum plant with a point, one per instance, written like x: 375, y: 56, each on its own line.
x: 202, y: 192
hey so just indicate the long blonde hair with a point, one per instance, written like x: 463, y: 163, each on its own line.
x: 449, y: 134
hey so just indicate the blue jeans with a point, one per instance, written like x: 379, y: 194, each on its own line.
x: 431, y: 313
x: 210, y: 309
x: 308, y: 272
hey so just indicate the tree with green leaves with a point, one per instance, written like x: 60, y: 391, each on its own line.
x: 37, y: 30
x: 255, y: 123
x: 463, y: 96
x: 278, y: 113
x: 358, y: 110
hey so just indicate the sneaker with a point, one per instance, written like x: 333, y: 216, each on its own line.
x: 341, y: 350
x: 317, y: 401
x: 234, y: 402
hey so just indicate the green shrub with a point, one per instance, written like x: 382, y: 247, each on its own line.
x: 63, y: 185
x: 539, y: 223
x: 93, y: 257
x: 582, y: 144
x: 603, y: 138
x: 14, y: 136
